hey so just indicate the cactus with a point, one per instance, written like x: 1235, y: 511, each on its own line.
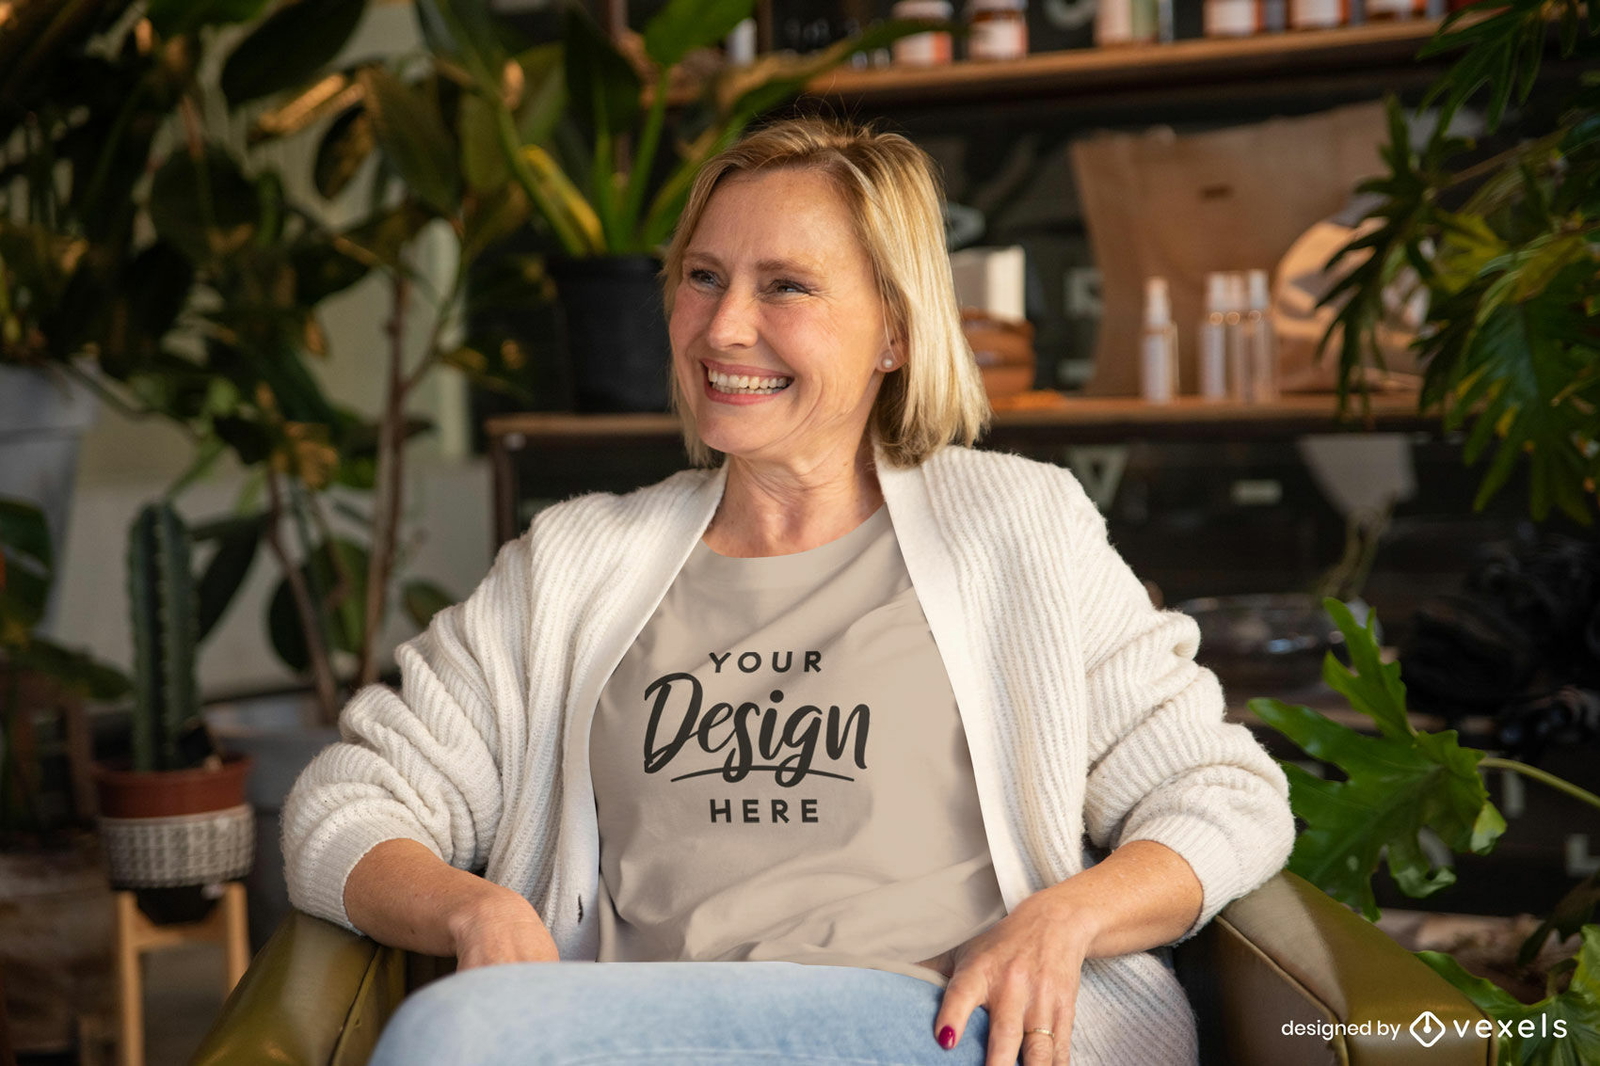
x: 165, y: 606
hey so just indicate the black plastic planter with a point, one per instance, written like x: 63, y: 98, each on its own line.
x: 616, y: 331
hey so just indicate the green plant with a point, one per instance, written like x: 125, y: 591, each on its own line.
x: 1509, y: 250
x: 27, y: 573
x: 168, y: 733
x: 1394, y: 788
x: 147, y: 248
x: 612, y: 182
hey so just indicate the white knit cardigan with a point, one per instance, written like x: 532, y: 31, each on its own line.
x: 1087, y: 719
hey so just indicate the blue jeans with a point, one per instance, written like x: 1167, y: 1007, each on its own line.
x: 674, y: 1014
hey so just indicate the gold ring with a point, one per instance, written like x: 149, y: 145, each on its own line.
x: 1041, y: 1029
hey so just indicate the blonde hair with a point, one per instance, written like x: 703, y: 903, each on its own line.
x: 892, y: 193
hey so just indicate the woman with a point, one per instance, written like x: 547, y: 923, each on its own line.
x: 857, y: 697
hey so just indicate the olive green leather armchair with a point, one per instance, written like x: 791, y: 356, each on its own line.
x: 317, y: 995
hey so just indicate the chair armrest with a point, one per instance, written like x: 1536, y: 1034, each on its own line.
x: 1288, y: 953
x: 315, y: 995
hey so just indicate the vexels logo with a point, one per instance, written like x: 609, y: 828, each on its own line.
x: 1427, y: 1028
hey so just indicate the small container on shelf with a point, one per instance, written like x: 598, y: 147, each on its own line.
x: 1260, y: 341
x: 1158, y: 347
x: 1234, y: 306
x: 931, y: 49
x: 1232, y: 18
x: 999, y: 29
x: 1211, y: 352
x: 1318, y: 14
x: 1119, y: 22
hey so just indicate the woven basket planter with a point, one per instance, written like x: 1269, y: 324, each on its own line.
x: 179, y: 850
x: 176, y: 828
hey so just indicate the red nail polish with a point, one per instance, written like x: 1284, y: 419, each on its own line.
x: 947, y: 1038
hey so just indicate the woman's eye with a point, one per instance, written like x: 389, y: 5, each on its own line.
x: 702, y: 277
x: 788, y: 286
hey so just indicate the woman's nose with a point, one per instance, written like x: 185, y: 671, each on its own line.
x: 732, y: 323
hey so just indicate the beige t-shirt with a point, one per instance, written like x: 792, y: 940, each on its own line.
x: 780, y: 770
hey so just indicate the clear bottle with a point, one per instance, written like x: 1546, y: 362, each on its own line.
x: 1238, y: 355
x: 1158, y: 346
x: 1211, y: 353
x: 999, y: 29
x: 1261, y: 341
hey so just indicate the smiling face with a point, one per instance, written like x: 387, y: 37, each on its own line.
x: 777, y: 326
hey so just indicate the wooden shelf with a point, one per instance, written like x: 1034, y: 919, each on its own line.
x: 1296, y: 55
x: 1075, y: 417
x: 522, y: 438
x: 1112, y: 418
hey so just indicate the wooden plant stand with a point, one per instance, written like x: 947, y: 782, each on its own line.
x: 135, y: 934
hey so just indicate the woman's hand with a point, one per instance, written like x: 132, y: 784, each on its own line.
x: 498, y: 928
x: 1024, y: 969
x: 404, y: 895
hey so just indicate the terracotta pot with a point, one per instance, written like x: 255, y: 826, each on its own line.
x: 126, y: 793
x: 176, y: 828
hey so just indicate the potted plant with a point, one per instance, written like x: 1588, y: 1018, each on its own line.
x: 583, y: 131
x: 55, y: 917
x: 1508, y: 250
x: 1399, y: 785
x: 174, y: 815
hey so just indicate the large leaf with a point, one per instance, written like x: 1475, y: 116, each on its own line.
x: 155, y: 289
x: 296, y: 42
x: 483, y: 158
x: 1396, y: 786
x: 25, y: 535
x: 344, y: 577
x: 490, y: 218
x: 205, y: 207
x: 544, y: 93
x: 26, y: 570
x: 237, y: 541
x: 1572, y: 912
x: 412, y: 132
x: 423, y: 600
x: 602, y: 85
x: 464, y: 30
x: 344, y: 147
x: 684, y: 25
x: 326, y: 266
x: 1560, y: 1030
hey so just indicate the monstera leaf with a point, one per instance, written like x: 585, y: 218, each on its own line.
x: 1561, y: 1030
x: 1395, y: 786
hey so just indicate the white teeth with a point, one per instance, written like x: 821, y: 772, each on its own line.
x: 746, y: 383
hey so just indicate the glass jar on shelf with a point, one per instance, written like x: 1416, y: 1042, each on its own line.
x: 931, y: 49
x: 999, y: 29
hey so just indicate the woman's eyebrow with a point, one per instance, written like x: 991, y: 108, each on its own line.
x: 763, y: 266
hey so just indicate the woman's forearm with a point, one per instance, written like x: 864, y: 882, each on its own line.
x: 404, y: 895
x: 1140, y: 896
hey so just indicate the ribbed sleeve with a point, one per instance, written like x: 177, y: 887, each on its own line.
x: 425, y: 765
x: 1163, y: 763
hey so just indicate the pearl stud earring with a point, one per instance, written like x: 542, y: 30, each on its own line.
x: 888, y: 362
